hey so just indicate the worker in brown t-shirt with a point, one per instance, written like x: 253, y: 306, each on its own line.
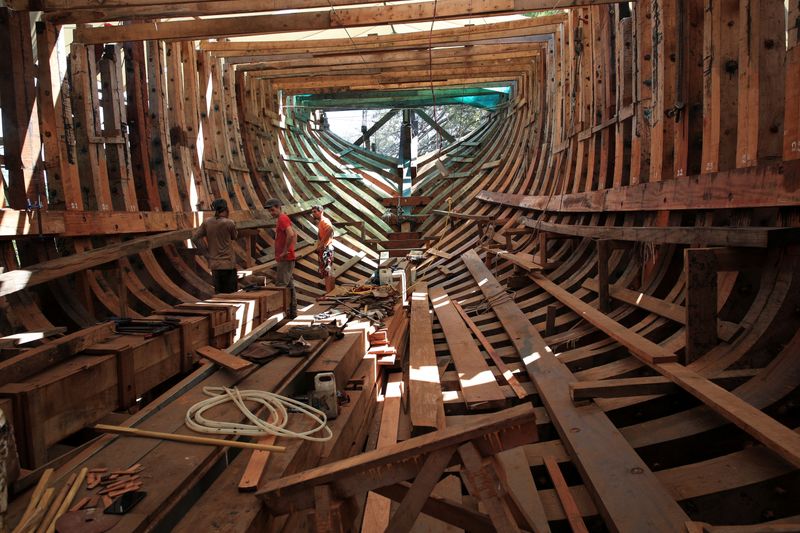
x: 220, y: 232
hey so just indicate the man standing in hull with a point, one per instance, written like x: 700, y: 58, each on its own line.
x: 324, y: 246
x: 285, y: 240
x: 220, y: 232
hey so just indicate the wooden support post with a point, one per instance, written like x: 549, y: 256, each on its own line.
x: 123, y: 291
x: 543, y: 248
x: 126, y: 378
x: 550, y: 322
x: 604, y: 301
x: 700, y: 269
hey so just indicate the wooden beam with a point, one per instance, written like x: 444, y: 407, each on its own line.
x: 399, y: 462
x: 506, y: 372
x: 774, y: 435
x: 425, y: 406
x: 762, y: 186
x: 625, y: 387
x: 318, y: 20
x: 40, y: 358
x: 609, y: 476
x: 478, y: 386
x: 755, y: 237
x: 700, y: 270
x: 17, y: 280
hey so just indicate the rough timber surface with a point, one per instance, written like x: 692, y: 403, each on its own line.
x: 658, y: 125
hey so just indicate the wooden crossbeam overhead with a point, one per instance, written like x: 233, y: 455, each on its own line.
x: 411, y: 68
x: 317, y: 20
x: 539, y: 26
x: 419, y: 76
x: 360, y: 60
x: 697, y: 236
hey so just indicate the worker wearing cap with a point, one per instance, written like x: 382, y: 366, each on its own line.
x: 285, y: 240
x: 324, y: 246
x: 220, y: 232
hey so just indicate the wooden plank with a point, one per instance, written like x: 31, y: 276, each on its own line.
x: 256, y: 466
x: 522, y: 260
x: 646, y: 386
x: 402, y: 461
x: 484, y: 484
x: 37, y: 359
x: 725, y: 330
x: 407, y: 512
x: 517, y: 471
x: 757, y: 237
x: 223, y: 359
x: 574, y: 516
x: 424, y: 392
x: 774, y: 435
x: 761, y: 186
x: 608, y: 476
x: 377, y: 509
x: 506, y: 372
x: 478, y: 386
x: 16, y: 280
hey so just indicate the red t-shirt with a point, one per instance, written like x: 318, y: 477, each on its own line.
x: 280, y: 237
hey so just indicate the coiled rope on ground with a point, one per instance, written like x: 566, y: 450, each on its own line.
x: 275, y: 424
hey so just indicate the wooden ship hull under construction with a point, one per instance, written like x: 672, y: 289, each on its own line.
x: 604, y: 328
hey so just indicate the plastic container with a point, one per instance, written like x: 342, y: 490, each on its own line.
x: 325, y: 389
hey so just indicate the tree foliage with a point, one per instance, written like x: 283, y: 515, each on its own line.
x: 457, y: 120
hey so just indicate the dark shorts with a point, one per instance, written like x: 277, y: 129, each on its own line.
x: 224, y: 281
x: 326, y: 261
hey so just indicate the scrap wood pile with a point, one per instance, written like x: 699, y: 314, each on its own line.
x: 51, y: 508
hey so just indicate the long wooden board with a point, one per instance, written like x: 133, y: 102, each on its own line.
x: 478, y: 386
x: 763, y: 427
x: 425, y: 394
x: 379, y: 468
x: 615, y: 478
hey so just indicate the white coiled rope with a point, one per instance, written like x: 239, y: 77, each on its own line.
x: 275, y: 424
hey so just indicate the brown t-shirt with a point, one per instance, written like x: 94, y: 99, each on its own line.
x: 220, y: 232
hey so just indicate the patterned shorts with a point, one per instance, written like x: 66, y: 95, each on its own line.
x: 326, y: 261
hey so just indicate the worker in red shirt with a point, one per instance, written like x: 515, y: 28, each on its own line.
x: 285, y: 240
x: 324, y: 246
x: 220, y: 232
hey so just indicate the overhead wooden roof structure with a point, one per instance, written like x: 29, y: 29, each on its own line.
x: 603, y: 332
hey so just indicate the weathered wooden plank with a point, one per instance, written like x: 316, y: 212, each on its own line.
x: 377, y: 509
x: 761, y: 186
x: 609, y: 476
x: 756, y: 237
x: 402, y: 461
x: 774, y: 435
x: 424, y: 392
x: 223, y: 359
x: 478, y: 386
x: 349, y: 17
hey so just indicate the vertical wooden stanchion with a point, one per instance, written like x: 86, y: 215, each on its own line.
x: 700, y: 269
x: 602, y: 274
